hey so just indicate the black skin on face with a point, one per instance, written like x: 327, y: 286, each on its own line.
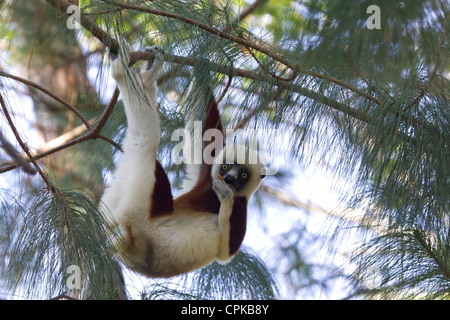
x: 235, y: 175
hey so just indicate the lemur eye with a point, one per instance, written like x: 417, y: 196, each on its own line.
x: 225, y: 167
x: 244, y: 175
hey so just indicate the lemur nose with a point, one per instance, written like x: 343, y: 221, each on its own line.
x: 228, y: 178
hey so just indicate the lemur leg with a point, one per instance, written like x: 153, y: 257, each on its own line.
x: 136, y: 168
x: 226, y: 197
x: 139, y: 103
x: 152, y: 69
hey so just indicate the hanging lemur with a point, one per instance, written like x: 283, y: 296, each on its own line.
x: 162, y: 236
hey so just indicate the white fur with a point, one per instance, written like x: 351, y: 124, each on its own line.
x: 135, y: 170
x: 168, y: 245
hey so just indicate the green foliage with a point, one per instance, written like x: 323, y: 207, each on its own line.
x: 60, y: 230
x: 245, y: 277
x: 408, y: 264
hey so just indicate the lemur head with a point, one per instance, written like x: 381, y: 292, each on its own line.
x: 243, y: 173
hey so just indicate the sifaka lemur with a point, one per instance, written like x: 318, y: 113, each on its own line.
x: 162, y: 236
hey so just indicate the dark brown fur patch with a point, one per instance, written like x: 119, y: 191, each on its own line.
x: 201, y: 198
x: 238, y: 224
x: 161, y: 199
x: 213, y: 120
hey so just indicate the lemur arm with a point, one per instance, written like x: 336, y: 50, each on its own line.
x: 232, y: 220
x: 233, y: 210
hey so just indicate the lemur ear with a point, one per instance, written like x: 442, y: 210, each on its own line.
x: 263, y: 173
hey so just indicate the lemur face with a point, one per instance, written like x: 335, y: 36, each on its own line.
x: 243, y: 178
x: 235, y: 175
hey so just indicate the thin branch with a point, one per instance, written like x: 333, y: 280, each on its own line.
x: 105, y: 116
x: 288, y: 200
x: 24, y: 146
x: 360, y: 75
x: 64, y: 138
x: 111, y: 142
x: 227, y: 86
x: 433, y: 74
x: 292, y: 77
x: 49, y: 93
x: 226, y: 70
x: 40, y: 155
x: 249, y: 10
x: 354, y: 216
x: 90, y: 135
x: 9, y: 148
x: 63, y: 297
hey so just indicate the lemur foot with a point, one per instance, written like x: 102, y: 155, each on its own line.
x: 157, y: 58
x: 222, y: 190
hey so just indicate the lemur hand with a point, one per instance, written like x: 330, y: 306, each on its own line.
x: 158, y: 56
x: 222, y: 190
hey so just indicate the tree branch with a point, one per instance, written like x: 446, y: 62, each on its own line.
x: 425, y: 86
x: 9, y: 148
x: 105, y: 116
x: 64, y: 138
x: 49, y: 93
x: 249, y: 9
x: 24, y: 146
x: 263, y: 48
x: 112, y: 44
x: 90, y: 135
x: 226, y: 70
x: 89, y: 25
